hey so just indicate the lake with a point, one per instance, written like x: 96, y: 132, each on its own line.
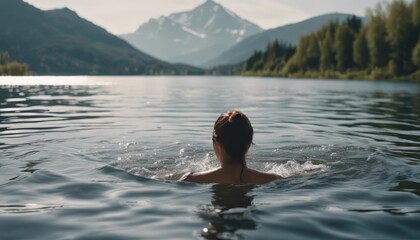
x: 96, y: 158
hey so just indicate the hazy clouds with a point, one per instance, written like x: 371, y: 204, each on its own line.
x: 123, y: 16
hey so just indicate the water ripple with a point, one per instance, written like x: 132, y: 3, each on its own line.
x: 86, y: 153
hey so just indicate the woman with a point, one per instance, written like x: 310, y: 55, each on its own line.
x: 232, y: 137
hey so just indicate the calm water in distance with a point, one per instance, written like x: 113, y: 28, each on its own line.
x: 95, y: 158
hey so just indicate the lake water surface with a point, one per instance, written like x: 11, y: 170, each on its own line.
x: 94, y: 158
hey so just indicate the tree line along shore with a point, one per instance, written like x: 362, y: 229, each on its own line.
x: 386, y: 47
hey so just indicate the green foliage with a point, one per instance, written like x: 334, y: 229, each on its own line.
x: 376, y: 37
x: 361, y: 50
x: 416, y: 55
x: 387, y: 47
x: 354, y: 23
x: 400, y: 36
x: 271, y: 62
x: 416, y: 14
x: 343, y: 46
x: 327, y: 61
x: 226, y: 70
x: 14, y: 68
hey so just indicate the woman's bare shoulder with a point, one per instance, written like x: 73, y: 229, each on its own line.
x: 262, y: 177
x: 201, y: 177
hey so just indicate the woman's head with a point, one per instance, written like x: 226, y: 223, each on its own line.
x: 234, y: 132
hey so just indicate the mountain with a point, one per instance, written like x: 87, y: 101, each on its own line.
x: 288, y: 34
x: 60, y: 42
x: 192, y: 37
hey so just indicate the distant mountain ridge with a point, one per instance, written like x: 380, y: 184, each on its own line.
x: 287, y: 34
x: 192, y: 37
x: 60, y: 42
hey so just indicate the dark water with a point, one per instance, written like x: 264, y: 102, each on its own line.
x: 93, y: 158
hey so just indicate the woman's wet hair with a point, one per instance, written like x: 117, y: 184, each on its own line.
x: 234, y: 132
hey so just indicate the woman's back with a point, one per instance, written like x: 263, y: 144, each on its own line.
x: 220, y: 175
x: 232, y: 137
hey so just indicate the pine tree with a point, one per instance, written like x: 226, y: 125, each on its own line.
x: 416, y: 55
x: 270, y: 55
x: 400, y: 37
x: 249, y: 64
x: 327, y: 60
x: 376, y: 37
x: 361, y: 50
x: 344, y: 47
x: 415, y: 18
x: 415, y: 6
x: 355, y: 23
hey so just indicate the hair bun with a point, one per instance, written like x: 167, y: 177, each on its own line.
x: 234, y: 132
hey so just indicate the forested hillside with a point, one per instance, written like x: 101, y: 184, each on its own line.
x: 387, y: 47
x: 60, y: 42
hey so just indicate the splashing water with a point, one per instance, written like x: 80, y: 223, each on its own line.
x: 293, y: 168
x: 172, y: 169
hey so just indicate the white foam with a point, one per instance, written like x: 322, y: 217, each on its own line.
x: 187, y: 164
x: 293, y: 168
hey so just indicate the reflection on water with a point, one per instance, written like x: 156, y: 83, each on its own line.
x: 407, y: 186
x: 26, y: 109
x: 27, y: 208
x: 390, y: 210
x: 34, y: 118
x: 230, y: 212
x: 392, y: 119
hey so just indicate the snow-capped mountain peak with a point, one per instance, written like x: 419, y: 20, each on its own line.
x: 211, y: 16
x: 209, y: 28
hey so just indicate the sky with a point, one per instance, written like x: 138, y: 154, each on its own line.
x: 125, y: 16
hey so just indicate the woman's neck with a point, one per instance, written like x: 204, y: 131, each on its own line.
x: 232, y: 172
x: 232, y: 166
